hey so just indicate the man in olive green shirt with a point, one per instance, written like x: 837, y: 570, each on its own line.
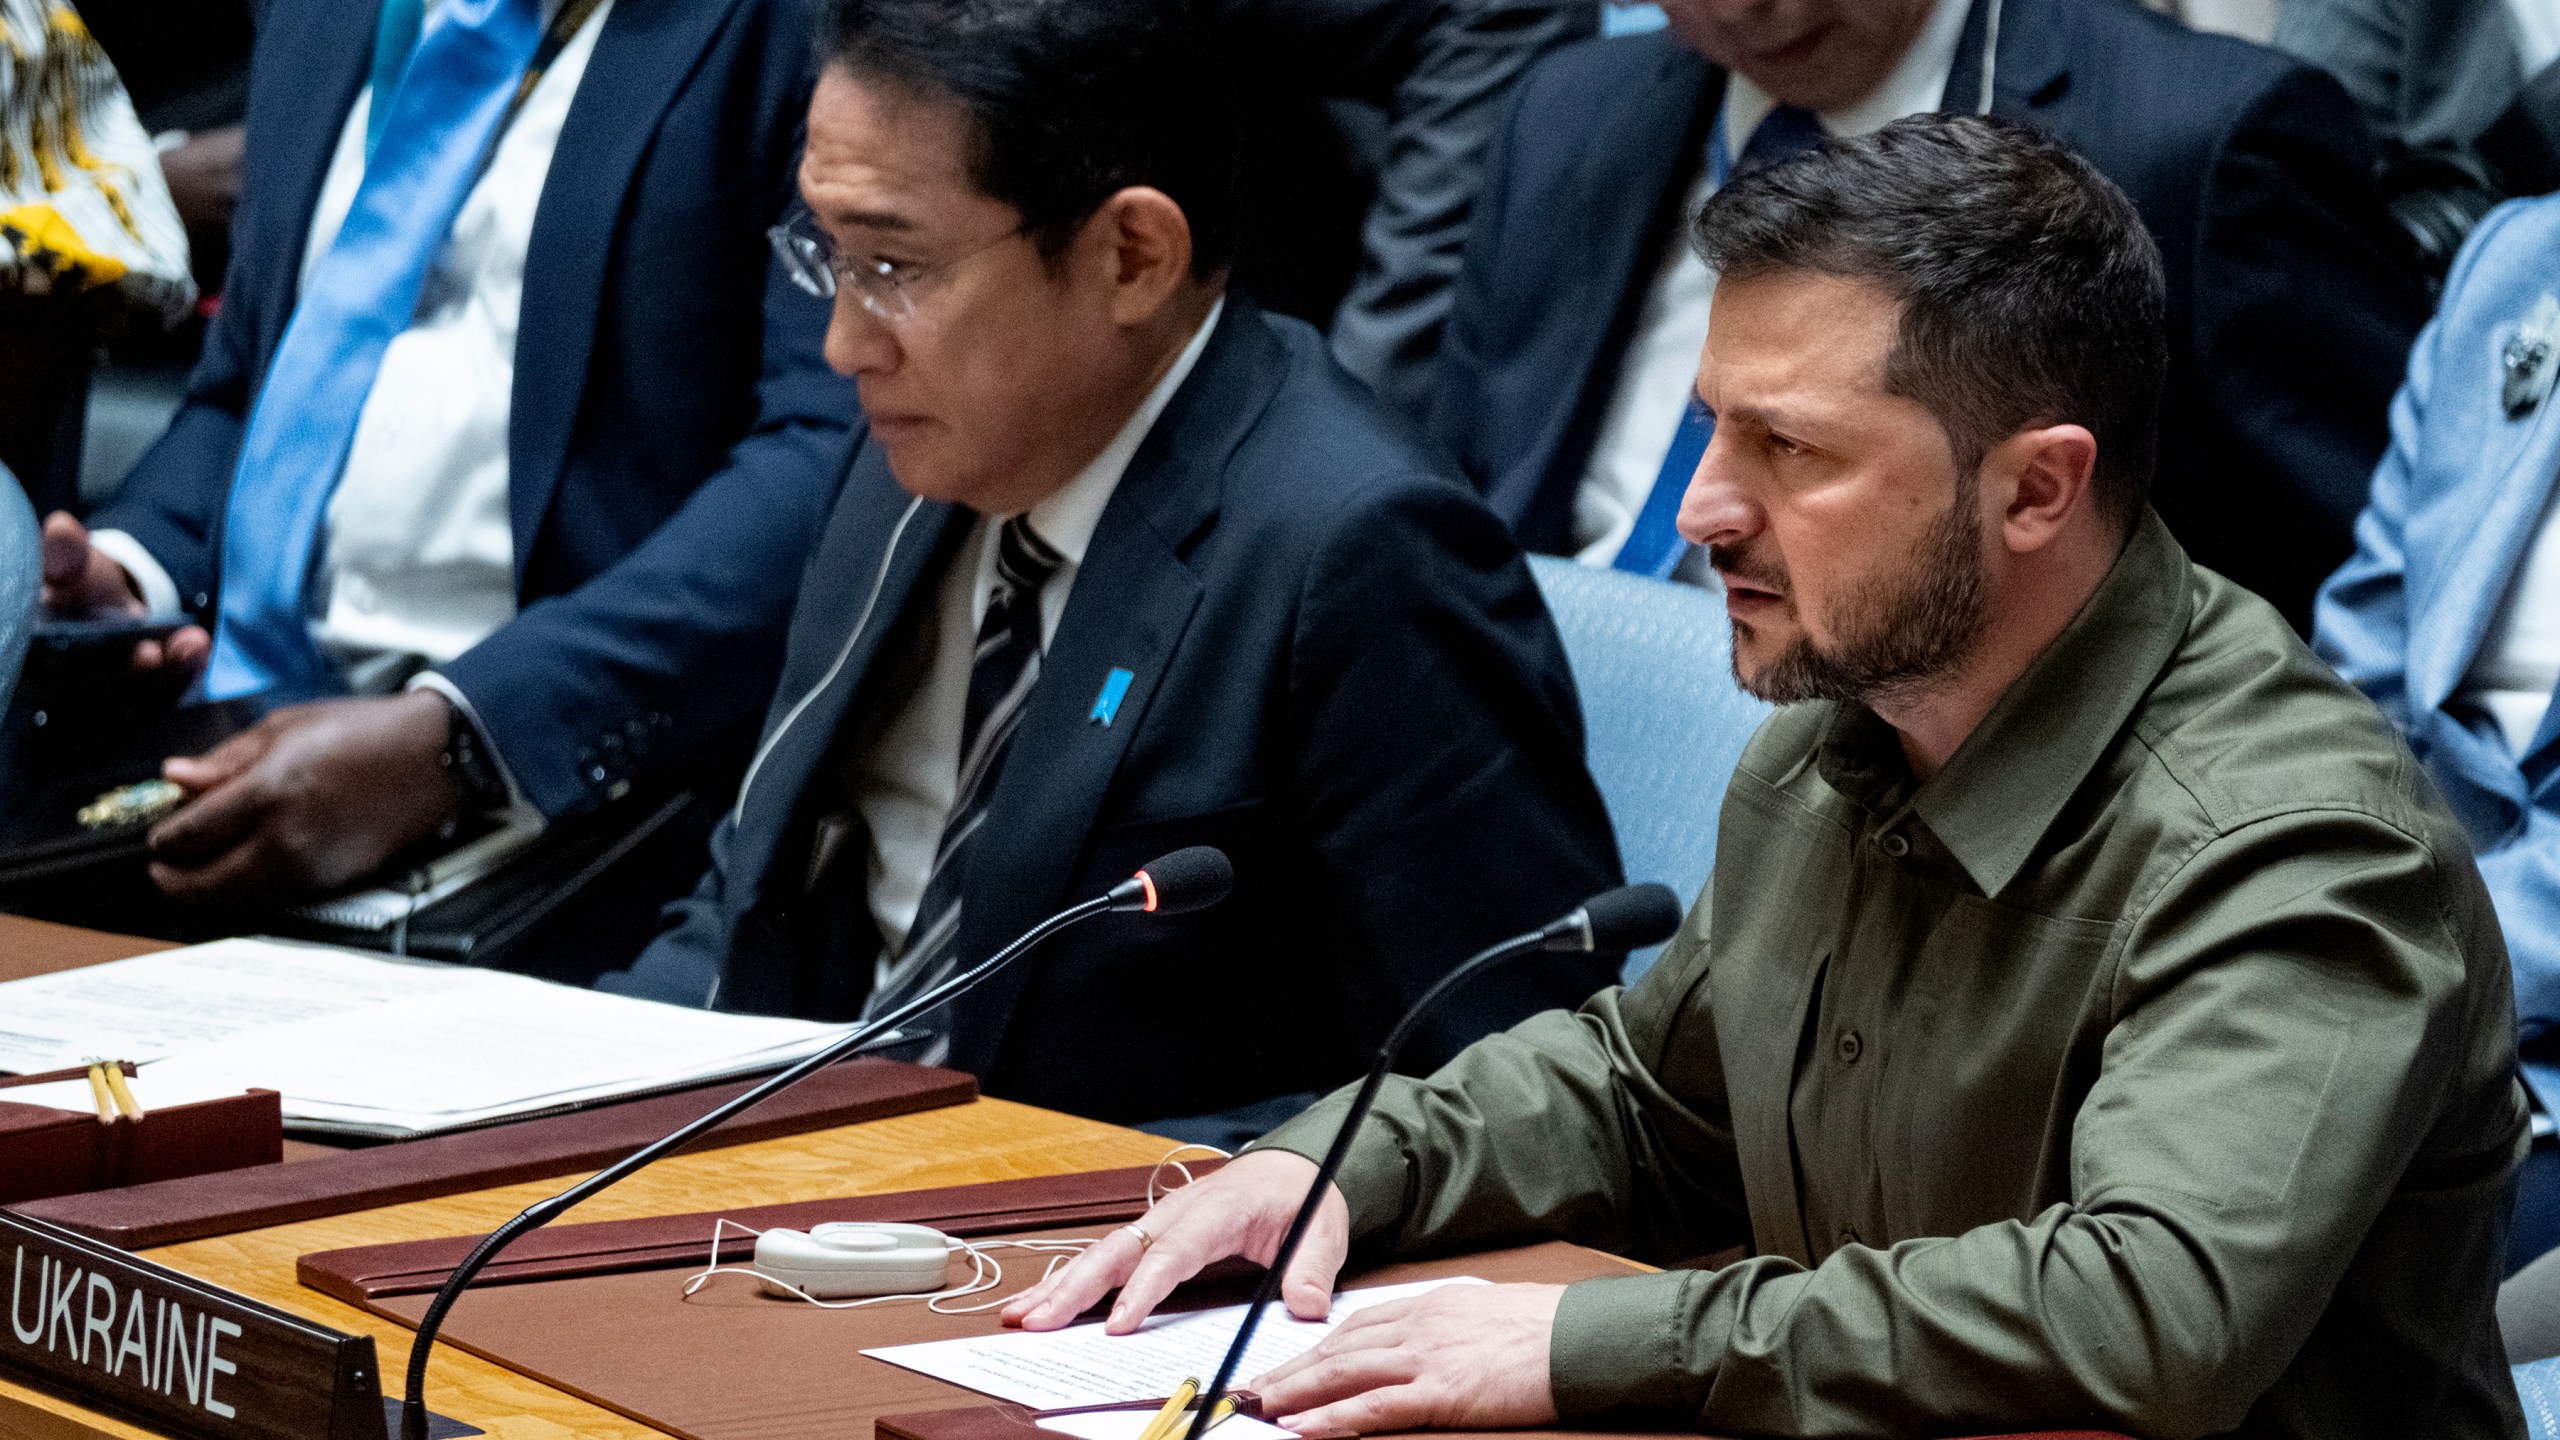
x: 2095, y: 1019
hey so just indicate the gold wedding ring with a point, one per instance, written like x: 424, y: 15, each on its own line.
x: 1144, y: 1239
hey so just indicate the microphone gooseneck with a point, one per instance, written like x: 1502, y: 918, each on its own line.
x: 1189, y: 879
x: 1627, y: 918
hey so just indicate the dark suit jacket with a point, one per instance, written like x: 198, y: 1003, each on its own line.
x: 675, y: 435
x: 1344, y: 678
x: 1366, y: 127
x: 2291, y: 303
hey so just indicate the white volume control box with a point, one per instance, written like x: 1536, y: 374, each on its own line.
x: 847, y: 1258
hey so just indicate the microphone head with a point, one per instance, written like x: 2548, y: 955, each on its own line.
x: 1632, y: 917
x: 1189, y: 879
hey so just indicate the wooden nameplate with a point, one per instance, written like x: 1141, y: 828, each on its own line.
x: 124, y: 1335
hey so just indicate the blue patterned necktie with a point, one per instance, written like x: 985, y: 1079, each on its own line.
x: 1654, y: 546
x: 454, y: 93
x: 1007, y: 665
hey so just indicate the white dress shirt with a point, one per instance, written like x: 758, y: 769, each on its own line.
x: 417, y: 557
x: 2519, y: 661
x: 905, y: 783
x: 1660, y: 368
x: 2537, y: 33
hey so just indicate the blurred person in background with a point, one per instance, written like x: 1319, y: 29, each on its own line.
x: 2448, y: 616
x: 2464, y: 95
x: 1563, y: 380
x: 509, y: 441
x: 89, y: 243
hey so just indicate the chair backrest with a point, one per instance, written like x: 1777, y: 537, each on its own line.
x: 2538, y: 1390
x: 1665, y: 721
x: 21, y: 567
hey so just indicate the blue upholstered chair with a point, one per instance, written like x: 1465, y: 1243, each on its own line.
x: 2538, y: 1386
x: 1666, y: 723
x: 20, y: 569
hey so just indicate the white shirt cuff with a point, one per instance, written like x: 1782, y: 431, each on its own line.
x: 159, y: 592
x: 519, y: 810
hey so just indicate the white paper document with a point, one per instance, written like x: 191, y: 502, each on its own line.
x: 366, y: 1044
x: 1080, y: 1365
x: 1130, y: 1424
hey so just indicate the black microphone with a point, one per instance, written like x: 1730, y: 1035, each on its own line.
x: 1174, y: 884
x: 1627, y: 918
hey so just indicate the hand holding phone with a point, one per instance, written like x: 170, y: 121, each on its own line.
x: 92, y: 607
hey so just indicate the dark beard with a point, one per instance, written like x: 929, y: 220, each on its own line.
x: 1900, y: 631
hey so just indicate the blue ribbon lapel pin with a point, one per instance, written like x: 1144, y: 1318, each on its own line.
x: 1106, y: 705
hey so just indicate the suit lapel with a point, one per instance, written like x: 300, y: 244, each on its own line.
x: 335, y: 42
x: 641, y: 58
x: 1632, y: 172
x: 1133, y: 599
x: 2031, y: 66
x: 2486, y: 540
x: 879, y: 536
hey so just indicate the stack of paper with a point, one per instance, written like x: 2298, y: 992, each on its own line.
x: 363, y: 1044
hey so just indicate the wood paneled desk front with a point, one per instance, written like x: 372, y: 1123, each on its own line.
x: 983, y: 1140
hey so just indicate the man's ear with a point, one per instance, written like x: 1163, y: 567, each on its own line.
x: 1145, y: 243
x: 2049, y: 470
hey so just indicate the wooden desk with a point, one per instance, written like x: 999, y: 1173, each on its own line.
x: 984, y: 1140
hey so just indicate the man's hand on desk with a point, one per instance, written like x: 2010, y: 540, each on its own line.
x: 307, y: 800
x: 1244, y: 1209
x: 81, y: 583
x: 1462, y: 1357
x: 1466, y: 1356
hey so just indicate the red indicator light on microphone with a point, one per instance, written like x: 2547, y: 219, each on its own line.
x: 1149, y: 881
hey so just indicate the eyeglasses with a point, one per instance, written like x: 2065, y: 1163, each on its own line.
x: 886, y: 288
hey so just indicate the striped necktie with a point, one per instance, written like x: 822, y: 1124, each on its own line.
x: 1654, y: 547
x: 1006, y: 666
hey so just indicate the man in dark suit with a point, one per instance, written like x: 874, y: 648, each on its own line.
x: 1579, y: 316
x: 1366, y: 125
x: 1124, y: 565
x: 565, y: 519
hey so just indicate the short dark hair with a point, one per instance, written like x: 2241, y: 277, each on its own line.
x: 1072, y: 101
x: 2030, y: 291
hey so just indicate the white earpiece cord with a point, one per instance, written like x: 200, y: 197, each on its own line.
x: 1157, y: 1189
x: 985, y: 1272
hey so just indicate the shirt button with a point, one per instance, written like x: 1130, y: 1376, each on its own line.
x: 1894, y: 844
x: 1851, y: 1047
x: 1848, y: 1235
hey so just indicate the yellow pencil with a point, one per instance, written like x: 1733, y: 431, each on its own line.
x: 116, y: 1087
x: 98, y: 1088
x: 1180, y: 1401
x: 1219, y: 1412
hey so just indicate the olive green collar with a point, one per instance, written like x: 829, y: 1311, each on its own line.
x: 2000, y: 791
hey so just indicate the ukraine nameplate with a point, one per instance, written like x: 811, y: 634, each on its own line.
x: 121, y: 1334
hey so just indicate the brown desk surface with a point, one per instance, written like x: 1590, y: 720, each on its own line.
x: 983, y: 1140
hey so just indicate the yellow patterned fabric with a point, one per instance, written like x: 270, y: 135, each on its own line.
x: 82, y: 203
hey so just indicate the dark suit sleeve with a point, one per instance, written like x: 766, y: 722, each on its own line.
x: 688, y: 960
x: 1438, y: 743
x: 1448, y: 103
x: 682, y: 638
x: 2305, y: 308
